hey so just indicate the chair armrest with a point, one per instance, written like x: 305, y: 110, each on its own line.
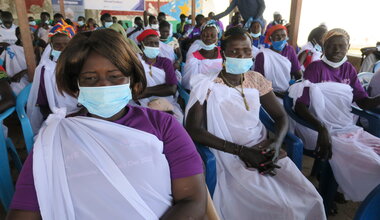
x: 365, y: 113
x: 209, y: 161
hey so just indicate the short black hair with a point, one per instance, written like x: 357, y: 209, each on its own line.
x: 151, y: 18
x: 57, y: 15
x: 45, y: 13
x: 138, y: 19
x: 79, y: 17
x: 161, y: 14
x: 6, y: 14
x: 232, y: 34
x: 104, y: 16
x: 183, y: 16
x: 164, y: 24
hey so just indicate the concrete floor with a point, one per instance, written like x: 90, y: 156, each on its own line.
x: 345, y: 211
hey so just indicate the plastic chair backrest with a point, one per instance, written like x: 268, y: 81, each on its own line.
x: 365, y: 79
x: 21, y: 101
x: 376, y: 67
x: 6, y: 183
x: 369, y: 209
x: 372, y: 117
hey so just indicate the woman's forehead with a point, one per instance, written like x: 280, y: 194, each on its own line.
x: 240, y: 41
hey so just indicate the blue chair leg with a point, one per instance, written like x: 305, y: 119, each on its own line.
x: 6, y: 183
x: 327, y: 185
x: 14, y: 154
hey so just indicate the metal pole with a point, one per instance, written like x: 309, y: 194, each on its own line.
x: 193, y: 12
x: 26, y: 37
x: 62, y: 7
x: 295, y: 16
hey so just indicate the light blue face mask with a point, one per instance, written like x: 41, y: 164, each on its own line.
x: 55, y: 54
x: 108, y: 24
x: 318, y: 48
x: 238, y: 65
x: 33, y: 23
x: 256, y: 35
x: 279, y: 45
x: 151, y: 52
x: 207, y: 47
x: 80, y: 23
x: 105, y: 101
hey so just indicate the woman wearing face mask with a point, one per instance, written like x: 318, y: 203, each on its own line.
x: 169, y: 45
x: 324, y: 100
x: 208, y: 59
x: 312, y: 51
x: 279, y: 63
x: 160, y: 74
x: 81, y: 24
x: 223, y: 113
x: 44, y: 96
x: 110, y: 160
x: 257, y: 37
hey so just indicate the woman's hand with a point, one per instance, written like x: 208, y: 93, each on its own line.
x: 17, y: 77
x: 323, y: 149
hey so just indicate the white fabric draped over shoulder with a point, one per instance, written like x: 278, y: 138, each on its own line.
x: 277, y: 69
x: 81, y: 171
x: 158, y: 78
x: 196, y: 66
x: 354, y: 162
x: 241, y: 193
x: 14, y: 59
x: 54, y: 97
x: 316, y: 54
x: 195, y: 46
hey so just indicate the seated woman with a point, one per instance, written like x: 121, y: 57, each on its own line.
x: 160, y: 75
x: 257, y: 38
x: 7, y: 98
x: 312, y: 51
x: 13, y: 59
x: 207, y: 60
x: 169, y: 47
x: 324, y: 100
x: 372, y: 56
x: 223, y: 113
x: 44, y: 95
x: 279, y: 63
x: 149, y: 166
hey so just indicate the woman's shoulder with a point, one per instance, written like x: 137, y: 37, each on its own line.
x: 257, y: 81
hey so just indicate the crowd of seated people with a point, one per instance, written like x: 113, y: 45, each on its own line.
x: 111, y: 127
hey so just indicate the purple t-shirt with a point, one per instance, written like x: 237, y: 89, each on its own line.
x: 167, y: 65
x: 319, y: 71
x: 179, y: 149
x: 287, y: 52
x: 195, y: 33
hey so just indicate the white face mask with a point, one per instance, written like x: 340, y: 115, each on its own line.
x: 154, y: 26
x: 207, y: 47
x: 333, y: 64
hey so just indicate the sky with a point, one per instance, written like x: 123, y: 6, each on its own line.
x: 359, y: 18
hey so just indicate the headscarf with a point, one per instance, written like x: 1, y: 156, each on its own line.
x: 252, y: 20
x: 212, y: 23
x: 62, y: 28
x: 146, y: 33
x: 272, y: 30
x: 335, y: 32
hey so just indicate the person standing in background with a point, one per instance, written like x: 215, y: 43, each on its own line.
x: 248, y: 8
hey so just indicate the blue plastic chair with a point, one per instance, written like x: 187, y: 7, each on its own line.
x: 6, y: 145
x: 21, y: 101
x: 369, y: 209
x: 365, y: 79
x: 373, y: 120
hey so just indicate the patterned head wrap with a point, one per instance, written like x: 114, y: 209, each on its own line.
x: 62, y: 28
x: 335, y: 32
x: 272, y: 30
x: 211, y: 23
